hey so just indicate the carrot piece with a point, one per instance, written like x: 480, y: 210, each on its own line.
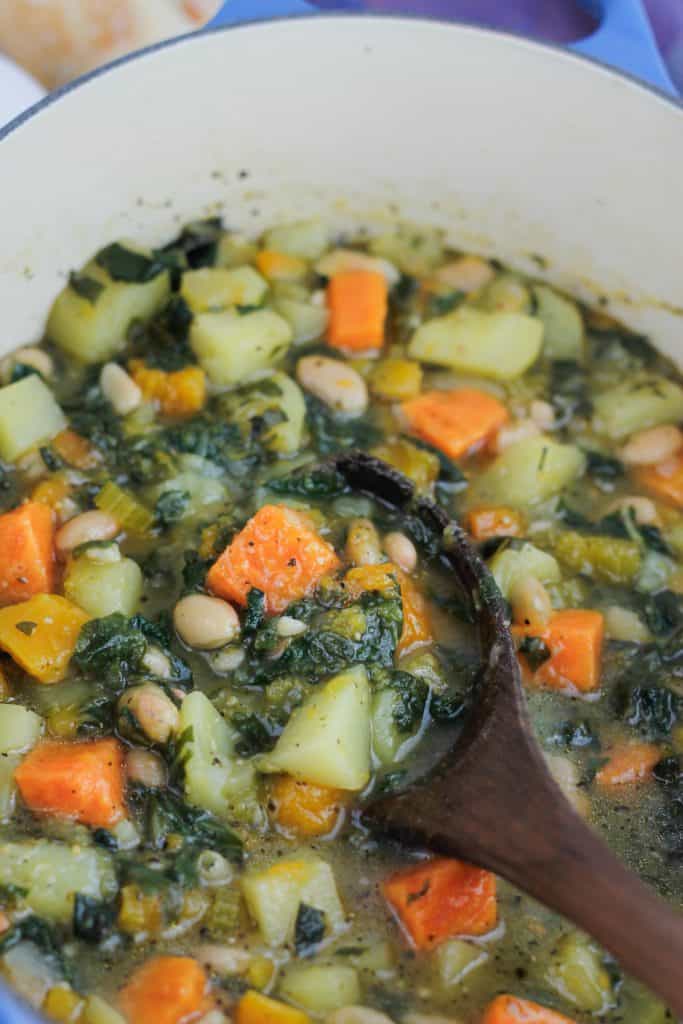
x: 304, y: 808
x: 357, y: 301
x: 166, y: 990
x: 254, y: 1008
x: 40, y: 634
x: 82, y: 781
x: 280, y: 266
x: 27, y: 558
x: 276, y: 552
x: 574, y: 638
x: 417, y: 627
x: 494, y: 521
x: 76, y: 450
x: 457, y: 422
x: 664, y: 481
x: 510, y: 1010
x: 181, y: 393
x: 441, y: 898
x: 628, y: 763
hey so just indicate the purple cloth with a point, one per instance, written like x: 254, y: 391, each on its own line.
x: 557, y: 20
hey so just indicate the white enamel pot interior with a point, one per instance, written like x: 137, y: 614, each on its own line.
x: 514, y: 148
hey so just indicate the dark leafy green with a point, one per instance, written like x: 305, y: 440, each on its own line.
x: 111, y: 648
x: 320, y: 482
x: 86, y: 287
x: 171, y: 507
x: 125, y: 265
x: 309, y: 929
x: 258, y: 732
x: 92, y: 919
x: 535, y: 650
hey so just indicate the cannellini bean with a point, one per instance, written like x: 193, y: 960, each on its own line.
x: 227, y: 660
x: 288, y: 626
x: 119, y: 388
x: 146, y: 767
x: 336, y: 385
x: 205, y: 623
x: 213, y: 868
x: 84, y: 529
x: 514, y: 432
x: 357, y: 1015
x: 644, y: 509
x: 348, y: 259
x: 466, y: 274
x: 34, y: 357
x: 106, y: 555
x: 543, y: 414
x: 566, y: 775
x: 155, y: 713
x: 401, y: 551
x: 648, y: 447
x: 624, y: 624
x: 531, y: 605
x: 157, y: 663
x: 362, y: 543
x: 223, y: 960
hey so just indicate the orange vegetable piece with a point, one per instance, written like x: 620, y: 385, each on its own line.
x: 280, y: 266
x: 27, y: 558
x: 441, y: 898
x: 51, y: 492
x: 417, y: 627
x: 82, y: 781
x: 304, y: 808
x: 76, y: 450
x: 628, y: 763
x: 574, y: 638
x: 254, y: 1008
x: 494, y: 521
x: 166, y: 990
x: 357, y: 301
x: 510, y: 1010
x: 457, y: 422
x: 40, y: 634
x: 664, y: 481
x: 276, y: 552
x: 180, y: 393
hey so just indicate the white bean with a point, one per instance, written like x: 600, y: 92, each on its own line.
x: 531, y: 605
x: 401, y: 551
x: 85, y: 528
x: 648, y: 447
x: 205, y: 623
x: 155, y: 713
x: 288, y: 626
x: 466, y: 274
x: 644, y: 509
x: 362, y: 543
x: 36, y: 358
x: 336, y: 385
x: 543, y: 414
x: 514, y: 432
x: 146, y: 767
x: 157, y: 663
x: 624, y: 624
x: 357, y: 1015
x: 119, y: 388
x: 227, y: 660
x: 224, y: 960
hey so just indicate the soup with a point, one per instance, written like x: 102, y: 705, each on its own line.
x: 214, y: 651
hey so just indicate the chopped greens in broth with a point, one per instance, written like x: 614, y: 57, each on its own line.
x: 213, y: 651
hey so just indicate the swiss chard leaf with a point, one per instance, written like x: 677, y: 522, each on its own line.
x: 43, y: 935
x: 535, y: 650
x: 86, y: 287
x: 92, y: 918
x: 604, y: 468
x: 126, y: 265
x: 333, y: 433
x: 171, y: 507
x: 255, y: 615
x: 309, y: 929
x: 320, y: 482
x: 258, y: 733
x: 168, y: 814
x: 111, y: 648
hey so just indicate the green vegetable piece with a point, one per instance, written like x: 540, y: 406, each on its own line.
x: 231, y: 347
x: 527, y: 473
x: 309, y: 929
x: 171, y: 506
x: 129, y: 265
x: 104, y: 588
x: 110, y: 648
x: 87, y: 287
x: 327, y: 739
x: 29, y: 416
x: 638, y: 402
x: 605, y: 558
x: 563, y: 333
x: 52, y: 873
x: 497, y: 345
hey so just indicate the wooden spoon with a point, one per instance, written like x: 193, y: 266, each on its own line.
x: 491, y: 800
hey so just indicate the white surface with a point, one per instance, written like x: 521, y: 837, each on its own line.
x: 513, y: 148
x: 17, y: 90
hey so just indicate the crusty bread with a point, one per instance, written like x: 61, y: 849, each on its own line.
x: 58, y: 39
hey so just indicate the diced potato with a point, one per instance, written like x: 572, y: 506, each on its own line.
x: 20, y: 729
x: 52, y: 873
x: 455, y: 959
x: 214, y: 288
x: 637, y: 403
x: 102, y: 588
x: 511, y: 565
x: 497, y: 345
x: 579, y: 976
x: 327, y: 739
x: 413, y: 250
x: 396, y: 379
x: 29, y: 416
x: 273, y: 896
x: 304, y: 238
x: 30, y: 972
x: 320, y: 988
x: 215, y: 778
x: 528, y: 472
x: 231, y: 347
x: 563, y: 333
x: 505, y: 294
x: 235, y: 251
x: 308, y: 321
x: 96, y: 1011
x: 96, y: 331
